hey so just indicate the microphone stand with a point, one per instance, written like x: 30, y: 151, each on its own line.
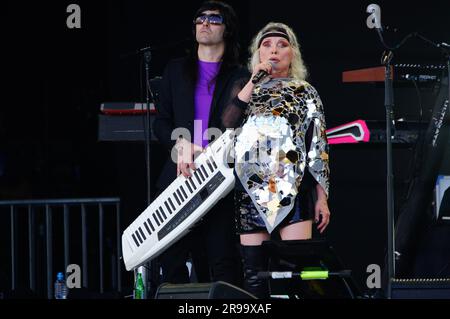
x: 147, y: 56
x: 389, y: 106
x: 386, y: 60
x: 148, y: 124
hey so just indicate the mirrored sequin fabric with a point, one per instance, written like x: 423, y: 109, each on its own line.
x: 270, y: 151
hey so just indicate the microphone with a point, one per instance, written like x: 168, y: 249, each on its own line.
x: 262, y: 74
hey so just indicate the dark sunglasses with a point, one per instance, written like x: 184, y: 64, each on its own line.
x: 212, y: 19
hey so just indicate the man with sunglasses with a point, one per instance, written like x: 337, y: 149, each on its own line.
x: 195, y: 91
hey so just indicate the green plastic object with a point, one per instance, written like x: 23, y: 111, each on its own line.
x: 314, y: 275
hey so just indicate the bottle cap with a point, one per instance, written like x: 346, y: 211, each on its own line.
x: 60, y: 276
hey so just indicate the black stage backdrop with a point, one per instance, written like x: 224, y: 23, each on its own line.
x: 55, y: 80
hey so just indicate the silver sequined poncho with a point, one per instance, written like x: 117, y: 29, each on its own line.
x: 270, y: 151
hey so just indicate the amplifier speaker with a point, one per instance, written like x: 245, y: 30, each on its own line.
x: 214, y: 290
x: 420, y: 289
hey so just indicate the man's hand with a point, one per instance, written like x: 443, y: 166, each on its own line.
x: 185, y: 156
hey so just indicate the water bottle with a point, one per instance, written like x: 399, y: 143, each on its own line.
x: 139, y: 287
x: 60, y: 287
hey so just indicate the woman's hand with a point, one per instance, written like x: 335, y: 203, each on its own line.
x: 185, y: 156
x: 264, y: 66
x: 246, y: 93
x: 321, y: 209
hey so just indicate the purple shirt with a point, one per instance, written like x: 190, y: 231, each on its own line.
x: 204, y: 91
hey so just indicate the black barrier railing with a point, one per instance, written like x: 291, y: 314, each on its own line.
x: 47, y: 214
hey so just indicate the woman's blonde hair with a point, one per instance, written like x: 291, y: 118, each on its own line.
x: 297, y: 69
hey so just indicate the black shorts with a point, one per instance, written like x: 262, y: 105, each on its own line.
x: 248, y: 219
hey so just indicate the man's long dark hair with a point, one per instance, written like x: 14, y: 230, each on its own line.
x: 231, y: 55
